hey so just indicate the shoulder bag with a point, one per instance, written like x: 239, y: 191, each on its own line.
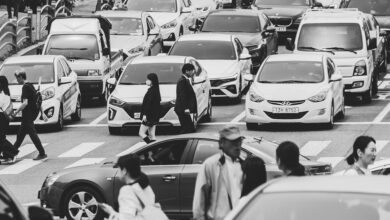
x: 150, y: 211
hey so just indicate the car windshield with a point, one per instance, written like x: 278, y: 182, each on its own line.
x: 283, y: 2
x: 135, y: 74
x: 126, y: 26
x: 291, y: 72
x: 205, y: 50
x: 231, y: 23
x: 152, y: 5
x: 33, y: 71
x: 325, y: 36
x: 325, y: 206
x: 74, y: 47
x: 375, y: 7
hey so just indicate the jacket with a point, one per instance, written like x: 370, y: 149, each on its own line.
x: 298, y: 171
x: 185, y: 97
x: 151, y: 106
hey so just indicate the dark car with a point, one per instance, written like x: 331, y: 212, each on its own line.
x: 172, y: 166
x: 252, y: 27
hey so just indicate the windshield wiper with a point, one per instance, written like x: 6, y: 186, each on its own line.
x: 265, y: 81
x: 315, y: 49
x: 69, y: 48
x: 80, y: 58
x: 294, y: 81
x: 341, y: 49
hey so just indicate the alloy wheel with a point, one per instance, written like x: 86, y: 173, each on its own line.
x: 82, y: 205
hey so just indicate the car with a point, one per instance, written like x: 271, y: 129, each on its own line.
x: 224, y: 58
x: 61, y: 97
x: 380, y: 167
x: 204, y: 7
x: 253, y: 29
x: 124, y: 105
x: 325, y: 197
x: 173, y: 16
x: 348, y: 43
x: 295, y: 88
x: 171, y: 164
x: 333, y: 3
x: 135, y: 32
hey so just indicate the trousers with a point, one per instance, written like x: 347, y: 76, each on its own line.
x: 27, y: 127
x: 6, y: 148
x: 186, y: 123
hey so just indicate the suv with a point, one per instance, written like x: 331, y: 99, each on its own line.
x: 344, y: 33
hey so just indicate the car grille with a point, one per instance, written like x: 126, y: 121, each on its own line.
x: 319, y: 170
x: 81, y: 72
x: 131, y: 108
x: 281, y: 21
x: 287, y: 103
x: 218, y: 82
x: 285, y: 115
x: 217, y: 92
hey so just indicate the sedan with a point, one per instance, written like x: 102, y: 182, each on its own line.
x: 56, y: 81
x: 224, y: 58
x: 295, y: 89
x: 172, y: 166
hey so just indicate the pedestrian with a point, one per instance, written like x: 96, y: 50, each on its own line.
x: 287, y: 158
x: 219, y: 182
x: 150, y: 109
x: 254, y: 174
x: 363, y: 154
x: 28, y: 107
x: 186, y: 104
x: 13, y: 4
x: 6, y: 148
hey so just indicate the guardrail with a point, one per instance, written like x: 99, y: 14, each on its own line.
x: 108, y: 6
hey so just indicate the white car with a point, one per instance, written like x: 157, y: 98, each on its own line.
x: 224, y: 58
x: 295, y: 88
x: 173, y: 16
x: 59, y: 88
x: 125, y: 102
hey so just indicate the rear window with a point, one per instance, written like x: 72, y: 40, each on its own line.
x: 283, y: 2
x: 125, y: 26
x: 375, y: 7
x: 205, y: 50
x: 231, y: 23
x: 34, y: 71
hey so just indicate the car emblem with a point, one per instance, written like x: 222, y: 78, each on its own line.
x: 286, y: 103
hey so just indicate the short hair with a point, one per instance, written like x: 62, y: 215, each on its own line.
x: 21, y: 74
x: 288, y: 154
x: 187, y: 67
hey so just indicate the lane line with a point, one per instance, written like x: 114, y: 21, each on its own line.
x: 81, y: 149
x: 334, y: 161
x: 19, y: 167
x: 387, y: 76
x: 313, y: 148
x: 86, y: 161
x: 27, y: 149
x: 130, y: 149
x: 85, y: 125
x: 382, y: 114
x: 384, y: 85
x: 380, y: 145
x: 99, y: 119
x: 238, y: 117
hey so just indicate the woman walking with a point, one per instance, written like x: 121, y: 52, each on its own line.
x: 150, y: 110
x: 254, y: 174
x: 363, y: 154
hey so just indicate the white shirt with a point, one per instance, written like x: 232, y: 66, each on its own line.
x: 5, y: 100
x: 353, y: 172
x: 235, y: 179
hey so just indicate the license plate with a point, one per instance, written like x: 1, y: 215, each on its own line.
x: 285, y: 110
x: 137, y: 115
x: 281, y: 29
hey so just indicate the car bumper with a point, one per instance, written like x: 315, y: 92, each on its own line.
x: 91, y: 87
x: 350, y: 81
x: 50, y: 199
x: 50, y: 105
x: 230, y: 89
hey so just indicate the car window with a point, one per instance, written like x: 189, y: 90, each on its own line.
x: 8, y: 210
x: 204, y: 49
x: 239, y: 46
x: 330, y: 69
x: 198, y: 69
x: 231, y: 23
x: 208, y: 148
x: 34, y: 72
x: 66, y: 67
x: 60, y: 71
x: 166, y: 153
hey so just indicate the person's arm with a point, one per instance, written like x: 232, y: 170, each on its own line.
x: 201, y: 196
x: 21, y: 107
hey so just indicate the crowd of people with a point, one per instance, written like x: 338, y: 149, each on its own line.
x: 20, y: 5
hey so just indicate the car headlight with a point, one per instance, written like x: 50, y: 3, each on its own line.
x: 255, y: 97
x: 360, y: 68
x: 170, y: 24
x: 137, y: 50
x: 51, y: 179
x: 115, y: 101
x: 48, y: 93
x: 94, y: 73
x: 321, y: 96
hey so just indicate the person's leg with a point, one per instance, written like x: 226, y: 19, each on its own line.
x: 16, y: 7
x: 189, y: 126
x: 152, y: 132
x: 20, y: 136
x: 32, y: 132
x: 142, y: 133
x: 9, y: 8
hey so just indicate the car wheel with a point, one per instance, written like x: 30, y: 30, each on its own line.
x: 60, y: 121
x: 375, y: 82
x: 76, y: 116
x: 330, y: 123
x: 82, y: 203
x: 115, y: 130
x: 251, y: 126
x: 367, y: 96
x: 209, y: 114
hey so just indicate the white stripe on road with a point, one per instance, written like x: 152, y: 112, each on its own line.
x: 99, y: 119
x: 380, y: 145
x: 20, y: 166
x: 313, y: 148
x: 130, y: 149
x: 86, y: 125
x: 382, y: 114
x: 334, y: 161
x: 27, y: 149
x: 387, y: 76
x: 81, y: 149
x: 238, y: 117
x: 384, y: 85
x: 86, y: 161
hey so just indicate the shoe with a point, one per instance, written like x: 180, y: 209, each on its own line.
x: 9, y: 160
x: 41, y: 157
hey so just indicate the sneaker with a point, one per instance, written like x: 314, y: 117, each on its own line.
x: 41, y: 157
x: 9, y: 160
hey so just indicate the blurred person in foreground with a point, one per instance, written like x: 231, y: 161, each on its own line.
x: 287, y: 158
x: 363, y: 154
x: 254, y: 174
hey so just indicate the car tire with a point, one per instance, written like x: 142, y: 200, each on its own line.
x: 114, y: 130
x: 367, y: 96
x: 341, y: 113
x: 91, y: 197
x: 207, y: 117
x: 252, y: 126
x: 76, y: 116
x: 60, y: 121
x: 330, y: 123
x: 375, y: 82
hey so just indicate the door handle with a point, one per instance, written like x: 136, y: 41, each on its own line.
x: 169, y: 178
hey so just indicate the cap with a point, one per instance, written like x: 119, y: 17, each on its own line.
x: 231, y: 133
x: 20, y: 73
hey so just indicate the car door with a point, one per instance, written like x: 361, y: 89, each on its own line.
x: 8, y: 208
x: 245, y: 65
x: 272, y: 38
x: 199, y: 89
x: 71, y: 94
x: 63, y: 89
x: 336, y: 86
x: 153, y: 41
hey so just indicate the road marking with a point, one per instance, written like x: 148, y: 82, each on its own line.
x: 99, y: 119
x: 86, y: 125
x: 86, y: 161
x: 130, y: 149
x: 382, y: 114
x: 384, y: 85
x: 81, y: 149
x: 313, y: 148
x: 238, y: 117
x: 334, y: 161
x: 380, y: 145
x: 387, y: 76
x: 31, y: 204
x: 27, y: 149
x: 19, y: 167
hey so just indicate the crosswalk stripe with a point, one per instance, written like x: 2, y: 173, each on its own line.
x: 81, y: 149
x: 380, y: 144
x: 384, y: 84
x: 19, y: 167
x: 334, y: 161
x: 27, y: 149
x: 85, y: 161
x: 387, y: 76
x: 313, y: 148
x: 130, y: 149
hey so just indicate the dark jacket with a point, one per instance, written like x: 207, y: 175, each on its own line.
x: 298, y: 171
x: 185, y: 97
x: 151, y: 106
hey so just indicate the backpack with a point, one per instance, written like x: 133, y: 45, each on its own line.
x: 37, y: 102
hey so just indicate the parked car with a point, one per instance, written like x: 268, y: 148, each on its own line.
x: 124, y: 105
x: 61, y: 97
x: 172, y: 166
x: 336, y: 197
x: 224, y: 58
x: 292, y: 88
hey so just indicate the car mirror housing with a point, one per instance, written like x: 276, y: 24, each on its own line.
x: 38, y: 213
x: 248, y: 77
x: 193, y: 28
x: 186, y: 10
x: 106, y: 51
x: 245, y: 56
x: 111, y: 81
x: 336, y: 77
x: 372, y: 44
x: 65, y: 80
x: 153, y: 32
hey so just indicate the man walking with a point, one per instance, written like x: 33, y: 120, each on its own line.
x: 13, y: 4
x: 186, y: 103
x: 287, y: 158
x: 218, y: 184
x: 28, y: 108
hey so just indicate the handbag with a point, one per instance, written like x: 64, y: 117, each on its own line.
x: 8, y: 112
x: 151, y: 211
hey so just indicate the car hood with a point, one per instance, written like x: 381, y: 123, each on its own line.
x: 282, y: 11
x: 16, y: 90
x: 126, y: 42
x: 136, y: 93
x: 219, y: 68
x: 383, y: 20
x: 162, y: 18
x: 249, y: 39
x: 281, y: 92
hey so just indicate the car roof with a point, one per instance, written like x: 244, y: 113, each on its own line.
x: 206, y: 37
x: 241, y: 12
x: 31, y: 59
x: 159, y: 59
x: 348, y: 15
x: 121, y: 13
x: 296, y: 57
x: 331, y: 184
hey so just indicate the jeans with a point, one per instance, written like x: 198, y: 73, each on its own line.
x: 28, y: 127
x: 13, y: 4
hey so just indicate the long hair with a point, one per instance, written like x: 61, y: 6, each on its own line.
x: 288, y: 154
x: 132, y: 164
x: 155, y: 85
x: 361, y: 144
x: 4, y: 85
x: 255, y: 174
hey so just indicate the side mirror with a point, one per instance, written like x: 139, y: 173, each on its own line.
x: 372, y: 44
x: 154, y: 32
x: 111, y: 81
x: 65, y: 80
x: 245, y: 56
x: 199, y: 80
x: 106, y: 51
x: 248, y: 77
x: 383, y: 34
x: 336, y: 77
x: 193, y: 28
x: 38, y: 213
x: 186, y: 10
x: 289, y: 44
